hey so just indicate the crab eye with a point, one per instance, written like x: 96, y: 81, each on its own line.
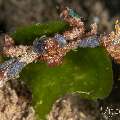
x: 60, y: 39
x: 39, y: 45
x: 92, y: 41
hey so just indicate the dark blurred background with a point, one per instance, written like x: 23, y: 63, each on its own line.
x: 15, y: 13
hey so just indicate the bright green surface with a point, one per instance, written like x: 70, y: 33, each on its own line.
x: 26, y: 34
x: 86, y: 71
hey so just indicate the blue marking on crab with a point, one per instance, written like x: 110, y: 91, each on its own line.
x: 73, y: 13
x: 60, y: 39
x: 92, y: 41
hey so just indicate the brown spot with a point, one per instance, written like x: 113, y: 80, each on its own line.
x: 1, y: 74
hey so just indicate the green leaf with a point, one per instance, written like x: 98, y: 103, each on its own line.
x: 85, y: 71
x: 26, y: 35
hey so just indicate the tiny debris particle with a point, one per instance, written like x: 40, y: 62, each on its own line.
x: 110, y: 112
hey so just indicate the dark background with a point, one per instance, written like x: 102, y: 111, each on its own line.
x: 15, y: 13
